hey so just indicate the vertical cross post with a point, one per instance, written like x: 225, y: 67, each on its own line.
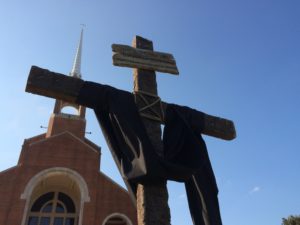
x: 152, y: 199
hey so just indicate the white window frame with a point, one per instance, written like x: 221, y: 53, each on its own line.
x: 35, y: 180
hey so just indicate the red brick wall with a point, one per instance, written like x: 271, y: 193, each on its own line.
x: 62, y: 150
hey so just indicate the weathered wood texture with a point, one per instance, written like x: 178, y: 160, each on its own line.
x: 127, y: 56
x: 152, y: 199
x: 59, y: 86
x: 219, y: 127
x: 44, y: 82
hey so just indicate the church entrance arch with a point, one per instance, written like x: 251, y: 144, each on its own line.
x: 55, y: 196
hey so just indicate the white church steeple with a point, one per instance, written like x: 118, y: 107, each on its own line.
x: 76, y: 69
x: 62, y: 118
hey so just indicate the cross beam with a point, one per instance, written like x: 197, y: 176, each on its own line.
x: 59, y: 86
x: 127, y: 56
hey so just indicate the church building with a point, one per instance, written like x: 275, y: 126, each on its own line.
x: 57, y: 179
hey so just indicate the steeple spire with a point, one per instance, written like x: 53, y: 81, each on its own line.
x: 60, y: 120
x: 76, y: 69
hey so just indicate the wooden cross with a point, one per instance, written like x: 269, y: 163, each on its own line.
x: 152, y: 200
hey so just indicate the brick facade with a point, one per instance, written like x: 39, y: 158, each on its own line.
x: 58, y: 154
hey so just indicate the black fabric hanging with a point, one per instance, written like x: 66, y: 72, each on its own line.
x: 185, y: 154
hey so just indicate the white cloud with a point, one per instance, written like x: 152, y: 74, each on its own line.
x: 255, y: 189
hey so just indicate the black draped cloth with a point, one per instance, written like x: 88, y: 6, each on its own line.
x: 185, y: 155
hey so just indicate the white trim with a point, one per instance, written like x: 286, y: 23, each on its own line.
x: 8, y: 169
x: 63, y: 133
x: 84, y: 192
x: 114, y: 182
x: 123, y: 216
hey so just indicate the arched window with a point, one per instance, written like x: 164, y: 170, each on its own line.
x: 55, y: 180
x: 117, y: 219
x: 53, y: 208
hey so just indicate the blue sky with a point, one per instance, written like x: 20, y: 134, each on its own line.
x: 237, y: 60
